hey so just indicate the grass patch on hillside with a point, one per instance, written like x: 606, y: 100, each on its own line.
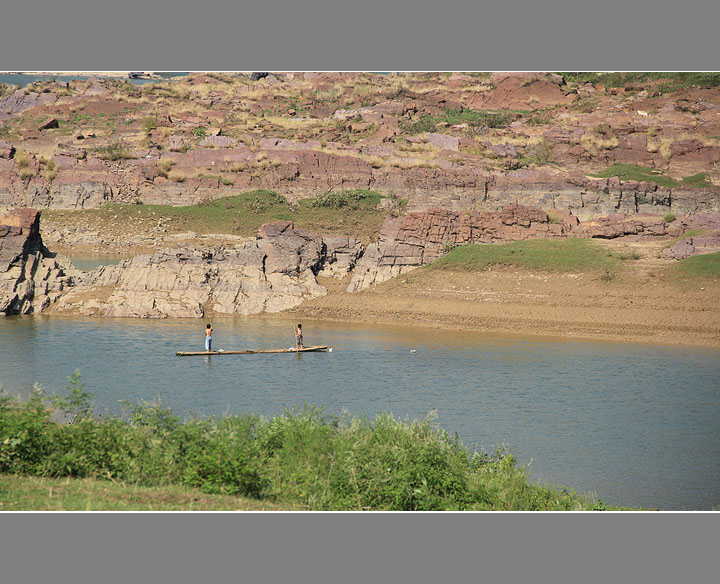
x: 647, y: 174
x: 699, y: 180
x: 566, y: 255
x: 350, y: 213
x: 302, y: 460
x: 637, y: 173
x: 698, y: 267
x: 473, y: 118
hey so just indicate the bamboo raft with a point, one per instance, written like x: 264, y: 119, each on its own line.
x: 252, y: 351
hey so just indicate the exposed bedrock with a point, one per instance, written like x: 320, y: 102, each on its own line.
x: 274, y: 272
x: 30, y: 277
x: 84, y: 181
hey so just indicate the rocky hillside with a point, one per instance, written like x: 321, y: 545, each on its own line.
x: 588, y: 143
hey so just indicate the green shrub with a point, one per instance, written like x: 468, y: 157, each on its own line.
x: 149, y: 124
x: 669, y: 217
x: 302, y: 458
x: 114, y: 151
x: 342, y: 199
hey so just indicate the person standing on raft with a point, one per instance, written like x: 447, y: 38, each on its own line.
x: 299, y: 338
x: 208, y: 338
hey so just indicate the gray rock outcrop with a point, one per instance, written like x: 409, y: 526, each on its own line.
x: 30, y: 278
x: 274, y: 272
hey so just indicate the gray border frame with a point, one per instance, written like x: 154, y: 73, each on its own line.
x: 347, y: 547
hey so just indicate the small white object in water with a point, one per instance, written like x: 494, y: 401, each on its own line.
x: 330, y: 350
x: 413, y: 351
x: 221, y: 350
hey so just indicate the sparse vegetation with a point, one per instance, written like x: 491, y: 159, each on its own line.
x: 164, y: 166
x: 472, y: 118
x: 114, y: 151
x: 241, y: 214
x: 22, y: 159
x: 538, y: 154
x: 177, y: 176
x: 26, y: 173
x: 669, y: 217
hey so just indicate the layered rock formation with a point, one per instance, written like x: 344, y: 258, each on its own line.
x: 279, y: 133
x: 419, y: 238
x: 30, y: 278
x: 274, y: 272
x: 698, y: 244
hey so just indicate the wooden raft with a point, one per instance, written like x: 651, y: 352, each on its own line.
x: 252, y: 351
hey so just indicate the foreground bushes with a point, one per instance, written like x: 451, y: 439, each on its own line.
x: 302, y: 458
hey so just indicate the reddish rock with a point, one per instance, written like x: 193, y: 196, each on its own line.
x: 706, y: 243
x: 49, y: 124
x: 443, y: 141
x: 218, y: 142
x: 177, y: 143
x: 274, y: 229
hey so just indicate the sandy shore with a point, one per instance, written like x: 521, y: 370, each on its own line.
x: 640, y: 306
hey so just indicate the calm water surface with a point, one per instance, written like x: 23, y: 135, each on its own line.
x: 636, y: 424
x: 23, y: 80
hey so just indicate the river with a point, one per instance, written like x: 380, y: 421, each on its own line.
x: 635, y: 424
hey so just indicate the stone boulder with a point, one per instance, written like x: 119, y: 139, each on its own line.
x: 443, y: 141
x: 700, y: 244
x: 49, y: 124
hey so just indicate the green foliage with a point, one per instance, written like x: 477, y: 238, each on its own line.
x: 565, y: 255
x: 301, y: 459
x: 637, y: 173
x: 473, y: 118
x: 149, y: 124
x: 199, y: 132
x: 699, y: 180
x: 669, y: 217
x: 344, y: 199
x: 114, y: 151
x: 78, y: 401
x: 540, y: 154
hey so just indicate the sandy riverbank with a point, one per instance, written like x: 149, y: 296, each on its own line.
x: 640, y: 306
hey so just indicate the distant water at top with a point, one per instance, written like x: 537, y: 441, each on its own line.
x: 637, y: 424
x: 23, y: 80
